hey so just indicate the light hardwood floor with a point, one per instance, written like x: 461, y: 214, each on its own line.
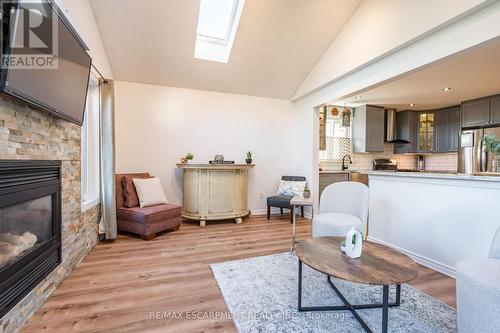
x: 119, y: 284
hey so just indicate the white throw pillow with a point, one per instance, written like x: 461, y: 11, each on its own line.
x: 149, y: 191
x: 293, y: 188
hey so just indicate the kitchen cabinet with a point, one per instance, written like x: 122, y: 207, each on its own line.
x: 368, y: 129
x: 406, y: 128
x: 426, y: 138
x: 326, y: 179
x: 495, y: 110
x: 453, y: 128
x: 476, y: 113
x: 441, y: 131
x: 447, y: 129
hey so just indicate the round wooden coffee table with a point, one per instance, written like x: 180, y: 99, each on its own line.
x: 378, y: 265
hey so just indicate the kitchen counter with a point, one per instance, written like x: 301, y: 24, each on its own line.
x: 438, y: 175
x: 343, y: 171
x: 438, y: 219
x: 333, y: 171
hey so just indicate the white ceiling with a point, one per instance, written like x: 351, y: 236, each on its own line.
x: 471, y: 74
x: 277, y: 44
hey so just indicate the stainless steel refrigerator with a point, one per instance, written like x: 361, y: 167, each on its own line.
x: 472, y: 157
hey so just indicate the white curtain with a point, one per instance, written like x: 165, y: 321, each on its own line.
x: 107, y: 225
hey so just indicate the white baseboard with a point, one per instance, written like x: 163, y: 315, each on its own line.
x: 432, y: 264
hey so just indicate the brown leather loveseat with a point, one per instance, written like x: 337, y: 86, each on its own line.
x: 146, y: 221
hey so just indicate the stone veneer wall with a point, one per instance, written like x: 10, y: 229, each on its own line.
x: 26, y: 133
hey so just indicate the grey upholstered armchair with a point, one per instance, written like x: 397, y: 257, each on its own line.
x: 283, y: 201
x: 478, y: 292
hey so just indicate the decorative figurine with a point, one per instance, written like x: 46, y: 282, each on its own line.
x: 219, y: 158
x: 346, y: 117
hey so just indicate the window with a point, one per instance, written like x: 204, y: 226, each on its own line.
x: 90, y: 147
x: 217, y: 25
x: 338, y: 140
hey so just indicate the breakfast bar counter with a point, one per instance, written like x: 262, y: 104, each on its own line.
x: 436, y: 218
x: 485, y: 176
x: 215, y: 192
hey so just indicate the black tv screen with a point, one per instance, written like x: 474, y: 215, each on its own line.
x: 44, y: 62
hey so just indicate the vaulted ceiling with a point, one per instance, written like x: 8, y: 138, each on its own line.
x: 470, y: 74
x: 277, y: 44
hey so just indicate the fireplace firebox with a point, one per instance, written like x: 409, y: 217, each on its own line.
x: 30, y: 226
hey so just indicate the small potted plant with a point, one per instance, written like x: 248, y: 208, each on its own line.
x: 492, y: 145
x: 307, y: 192
x: 189, y: 157
x: 249, y: 157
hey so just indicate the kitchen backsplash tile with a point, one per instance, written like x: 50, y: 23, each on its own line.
x: 434, y: 162
x: 364, y: 161
x: 441, y: 162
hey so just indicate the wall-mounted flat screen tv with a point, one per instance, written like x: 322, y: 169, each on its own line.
x: 44, y: 61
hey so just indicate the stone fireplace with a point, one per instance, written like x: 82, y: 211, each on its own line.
x: 30, y: 226
x: 28, y: 135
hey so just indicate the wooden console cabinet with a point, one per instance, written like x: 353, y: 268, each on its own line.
x: 215, y: 192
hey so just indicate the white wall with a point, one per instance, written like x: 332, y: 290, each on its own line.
x: 82, y: 17
x: 156, y: 125
x: 377, y: 27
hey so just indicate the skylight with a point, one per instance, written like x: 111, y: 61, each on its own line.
x: 217, y: 24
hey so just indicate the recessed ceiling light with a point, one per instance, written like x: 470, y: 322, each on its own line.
x: 357, y: 97
x: 411, y: 104
x: 446, y: 89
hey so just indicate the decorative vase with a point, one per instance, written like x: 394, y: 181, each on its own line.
x: 248, y: 160
x: 353, y: 244
x: 306, y: 194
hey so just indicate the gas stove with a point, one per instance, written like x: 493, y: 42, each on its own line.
x: 408, y: 170
x: 385, y: 164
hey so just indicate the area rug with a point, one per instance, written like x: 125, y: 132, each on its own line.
x: 261, y: 294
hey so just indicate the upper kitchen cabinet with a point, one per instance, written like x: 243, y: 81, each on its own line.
x: 441, y: 131
x: 447, y: 129
x: 368, y: 129
x: 426, y: 138
x: 453, y: 128
x: 476, y: 113
x: 406, y: 129
x: 495, y: 110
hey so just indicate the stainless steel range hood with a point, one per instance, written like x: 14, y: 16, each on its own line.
x: 391, y: 133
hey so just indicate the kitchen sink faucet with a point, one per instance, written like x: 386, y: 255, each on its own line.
x: 344, y: 166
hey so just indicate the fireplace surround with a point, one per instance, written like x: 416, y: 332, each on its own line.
x: 30, y: 226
